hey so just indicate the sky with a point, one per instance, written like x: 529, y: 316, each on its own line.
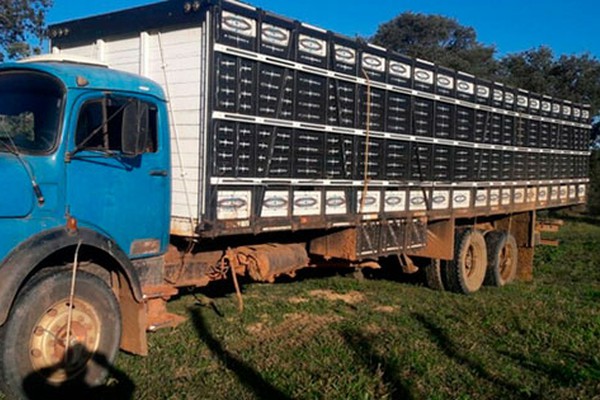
x: 568, y: 27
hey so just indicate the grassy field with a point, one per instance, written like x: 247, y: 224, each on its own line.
x: 328, y: 335
x: 331, y: 336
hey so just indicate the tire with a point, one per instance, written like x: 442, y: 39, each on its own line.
x: 502, y: 258
x: 32, y: 359
x: 465, y: 274
x: 434, y: 274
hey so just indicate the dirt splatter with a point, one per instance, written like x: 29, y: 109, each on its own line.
x: 372, y: 329
x: 386, y: 309
x: 298, y: 300
x: 255, y: 329
x: 353, y: 297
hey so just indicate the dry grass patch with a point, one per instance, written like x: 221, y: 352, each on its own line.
x: 352, y: 297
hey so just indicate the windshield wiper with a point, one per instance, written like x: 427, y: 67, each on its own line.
x: 13, y: 149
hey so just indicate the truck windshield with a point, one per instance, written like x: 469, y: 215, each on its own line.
x: 30, y: 109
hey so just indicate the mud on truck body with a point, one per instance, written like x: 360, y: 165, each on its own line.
x: 266, y: 145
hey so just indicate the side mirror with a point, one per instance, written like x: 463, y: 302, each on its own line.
x: 135, y: 128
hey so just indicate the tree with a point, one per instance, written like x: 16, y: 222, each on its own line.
x: 21, y: 21
x: 594, y: 191
x: 438, y: 39
x: 531, y: 70
x: 569, y: 77
x: 572, y: 77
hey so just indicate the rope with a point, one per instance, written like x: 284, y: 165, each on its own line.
x: 175, y: 134
x: 71, y: 298
x: 231, y: 257
x: 363, y: 198
x: 419, y: 162
x: 485, y: 132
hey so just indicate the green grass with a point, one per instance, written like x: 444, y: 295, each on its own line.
x: 388, y: 339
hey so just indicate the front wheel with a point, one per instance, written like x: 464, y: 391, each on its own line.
x: 33, y: 356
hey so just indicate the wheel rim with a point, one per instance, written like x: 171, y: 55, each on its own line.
x: 472, y: 263
x: 506, y: 262
x: 469, y: 262
x: 48, y: 340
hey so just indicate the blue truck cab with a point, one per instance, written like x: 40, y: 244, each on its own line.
x: 84, y: 151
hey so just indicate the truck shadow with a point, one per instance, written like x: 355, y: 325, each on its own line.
x: 454, y: 351
x: 245, y: 374
x: 35, y: 385
x: 574, y: 368
x: 389, y: 369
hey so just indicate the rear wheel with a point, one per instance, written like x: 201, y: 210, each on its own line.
x: 434, y: 274
x: 502, y: 258
x: 33, y: 356
x: 465, y: 274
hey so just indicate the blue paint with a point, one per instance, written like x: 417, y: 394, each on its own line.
x: 113, y: 195
x: 16, y: 200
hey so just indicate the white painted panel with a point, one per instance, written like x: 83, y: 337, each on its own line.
x: 234, y: 204
x: 481, y: 198
x: 179, y: 210
x: 440, y: 199
x: 461, y: 199
x: 372, y: 202
x: 186, y: 117
x: 543, y: 194
x: 395, y: 201
x: 88, y: 51
x: 275, y: 204
x: 519, y: 196
x: 505, y: 197
x: 188, y: 132
x: 178, y: 183
x: 417, y: 201
x: 336, y: 202
x: 307, y: 203
x: 494, y: 197
x: 564, y: 192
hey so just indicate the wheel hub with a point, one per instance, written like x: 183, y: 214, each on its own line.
x: 506, y: 262
x: 469, y: 261
x: 47, y: 345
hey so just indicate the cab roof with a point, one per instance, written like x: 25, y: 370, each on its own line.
x: 97, y: 76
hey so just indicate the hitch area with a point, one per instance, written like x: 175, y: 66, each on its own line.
x: 156, y: 308
x: 262, y: 263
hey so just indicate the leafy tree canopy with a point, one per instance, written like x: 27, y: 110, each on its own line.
x: 21, y: 21
x: 571, y: 77
x: 439, y: 39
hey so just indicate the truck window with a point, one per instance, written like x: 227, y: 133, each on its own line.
x: 30, y: 109
x: 100, y: 125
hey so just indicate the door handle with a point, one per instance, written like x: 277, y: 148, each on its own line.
x: 159, y: 172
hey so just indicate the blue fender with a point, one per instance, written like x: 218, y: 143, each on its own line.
x: 19, y: 264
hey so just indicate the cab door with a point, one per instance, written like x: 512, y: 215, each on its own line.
x: 123, y: 195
